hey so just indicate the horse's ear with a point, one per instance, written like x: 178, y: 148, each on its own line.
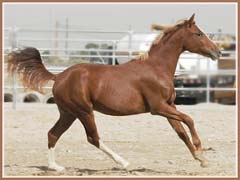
x: 191, y: 20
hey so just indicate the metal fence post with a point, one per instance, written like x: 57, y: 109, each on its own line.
x: 66, y: 39
x: 208, y: 82
x: 114, y: 52
x: 13, y: 42
x: 130, y: 34
x: 14, y: 90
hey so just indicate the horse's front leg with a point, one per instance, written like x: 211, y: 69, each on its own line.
x: 190, y: 123
x: 178, y: 127
x: 175, y: 118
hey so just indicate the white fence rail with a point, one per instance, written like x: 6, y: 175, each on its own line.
x: 67, y: 44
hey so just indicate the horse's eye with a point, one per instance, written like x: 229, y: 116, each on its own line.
x: 199, y: 34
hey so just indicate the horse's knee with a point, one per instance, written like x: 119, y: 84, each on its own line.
x: 197, y: 142
x: 93, y: 140
x: 188, y: 120
x: 52, y: 140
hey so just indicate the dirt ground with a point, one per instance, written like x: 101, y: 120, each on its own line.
x: 147, y: 142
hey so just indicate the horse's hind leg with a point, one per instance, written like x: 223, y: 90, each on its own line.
x: 88, y: 122
x: 64, y: 122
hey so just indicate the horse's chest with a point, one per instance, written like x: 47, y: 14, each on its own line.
x: 158, y: 91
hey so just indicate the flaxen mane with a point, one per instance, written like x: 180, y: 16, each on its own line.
x: 164, y: 35
x: 167, y: 32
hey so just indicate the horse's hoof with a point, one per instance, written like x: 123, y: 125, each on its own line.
x: 56, y: 167
x: 204, y: 163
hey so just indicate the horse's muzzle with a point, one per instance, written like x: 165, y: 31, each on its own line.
x: 214, y: 54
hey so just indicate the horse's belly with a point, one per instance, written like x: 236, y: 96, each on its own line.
x: 118, y: 111
x: 120, y: 103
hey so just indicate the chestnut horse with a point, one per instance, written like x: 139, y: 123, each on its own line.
x: 131, y: 88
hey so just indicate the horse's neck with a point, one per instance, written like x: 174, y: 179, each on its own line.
x: 165, y: 55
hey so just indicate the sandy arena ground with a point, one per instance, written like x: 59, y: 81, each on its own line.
x: 147, y: 142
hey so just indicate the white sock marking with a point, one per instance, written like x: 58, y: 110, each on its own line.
x: 113, y: 155
x: 51, y: 161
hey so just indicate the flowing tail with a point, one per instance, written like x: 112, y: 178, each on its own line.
x: 28, y: 64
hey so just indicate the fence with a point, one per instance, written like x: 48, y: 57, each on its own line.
x: 103, y: 47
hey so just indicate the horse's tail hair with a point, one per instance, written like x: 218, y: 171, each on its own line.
x: 28, y: 64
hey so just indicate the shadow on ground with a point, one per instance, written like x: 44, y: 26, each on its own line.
x: 96, y: 172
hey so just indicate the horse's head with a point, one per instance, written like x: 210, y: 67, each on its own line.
x: 197, y: 42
